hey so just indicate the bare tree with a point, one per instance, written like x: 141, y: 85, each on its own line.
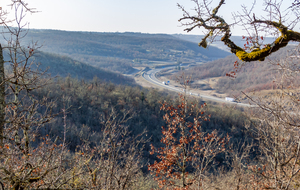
x: 24, y: 163
x: 275, y: 118
x: 114, y: 161
x: 2, y: 97
x: 277, y: 127
x: 15, y: 4
x: 206, y: 17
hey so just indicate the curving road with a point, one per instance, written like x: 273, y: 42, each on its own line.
x: 150, y: 77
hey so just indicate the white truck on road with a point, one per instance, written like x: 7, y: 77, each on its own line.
x: 229, y: 99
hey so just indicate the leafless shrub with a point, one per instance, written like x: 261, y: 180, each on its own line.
x: 114, y: 161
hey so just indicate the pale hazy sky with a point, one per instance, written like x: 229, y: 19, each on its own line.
x: 146, y: 16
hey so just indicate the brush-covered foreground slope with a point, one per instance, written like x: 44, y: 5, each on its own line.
x: 90, y: 102
x: 120, y: 51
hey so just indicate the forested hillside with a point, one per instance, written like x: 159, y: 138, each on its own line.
x: 118, y: 52
x: 88, y: 102
x: 61, y: 65
x: 254, y: 76
x: 90, y: 128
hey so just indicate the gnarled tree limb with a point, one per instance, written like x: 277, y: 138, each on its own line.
x: 260, y: 54
x: 216, y: 24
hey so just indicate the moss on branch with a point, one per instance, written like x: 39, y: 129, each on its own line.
x: 261, y: 54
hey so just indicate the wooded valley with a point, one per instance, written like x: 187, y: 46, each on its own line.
x: 72, y: 115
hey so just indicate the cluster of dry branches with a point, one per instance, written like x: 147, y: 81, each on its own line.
x: 31, y: 161
x: 206, y: 17
x: 274, y: 120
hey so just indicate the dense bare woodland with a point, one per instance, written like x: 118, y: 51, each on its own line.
x: 66, y: 133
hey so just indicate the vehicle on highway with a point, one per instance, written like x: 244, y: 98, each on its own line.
x: 229, y: 99
x: 166, y: 83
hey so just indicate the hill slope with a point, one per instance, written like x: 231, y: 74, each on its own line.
x: 119, y: 52
x: 254, y: 76
x: 122, y: 45
x: 63, y: 66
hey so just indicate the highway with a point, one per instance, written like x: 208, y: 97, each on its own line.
x: 150, y: 77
